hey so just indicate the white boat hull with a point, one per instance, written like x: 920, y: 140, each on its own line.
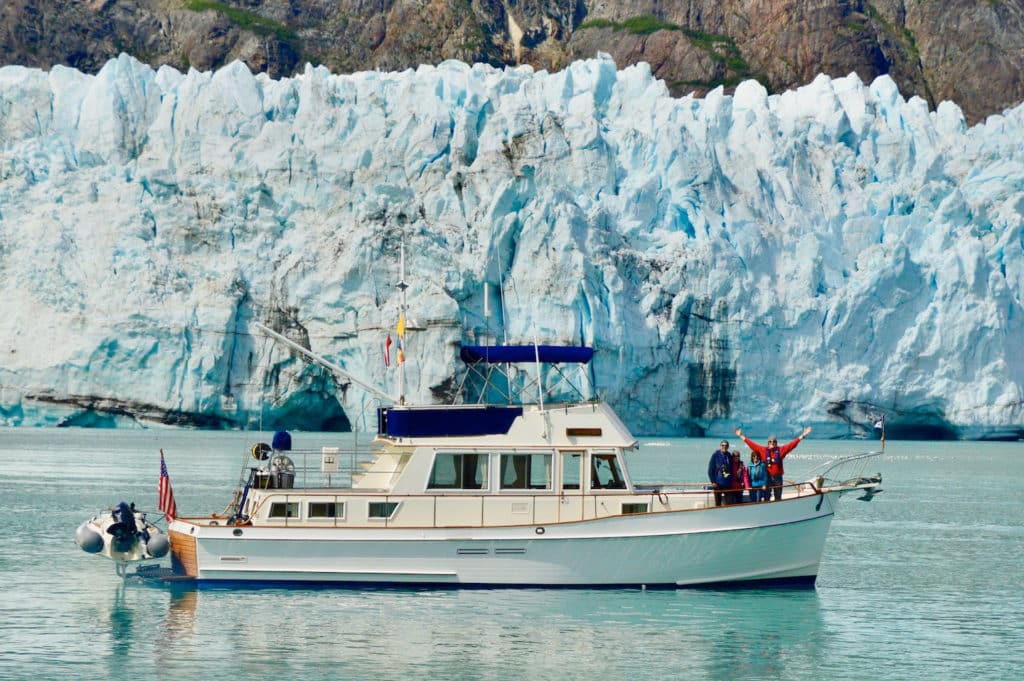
x: 746, y: 543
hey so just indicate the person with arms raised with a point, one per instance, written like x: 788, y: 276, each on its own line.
x: 773, y: 455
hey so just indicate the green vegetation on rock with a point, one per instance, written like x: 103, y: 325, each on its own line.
x: 249, y: 21
x: 721, y: 48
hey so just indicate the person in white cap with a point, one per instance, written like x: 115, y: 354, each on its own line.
x: 773, y: 455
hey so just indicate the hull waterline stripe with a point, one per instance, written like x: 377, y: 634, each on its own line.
x: 800, y: 582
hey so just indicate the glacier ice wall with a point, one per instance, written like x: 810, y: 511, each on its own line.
x: 817, y: 257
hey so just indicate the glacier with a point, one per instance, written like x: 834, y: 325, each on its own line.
x: 818, y: 257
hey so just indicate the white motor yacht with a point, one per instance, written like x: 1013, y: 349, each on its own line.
x: 500, y: 493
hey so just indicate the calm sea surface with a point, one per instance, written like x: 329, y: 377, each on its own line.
x: 923, y: 582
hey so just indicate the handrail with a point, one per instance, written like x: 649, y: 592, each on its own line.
x: 548, y: 494
x: 662, y: 496
x: 855, y: 462
x: 646, y: 486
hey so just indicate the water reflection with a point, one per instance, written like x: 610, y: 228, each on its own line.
x: 492, y: 633
x: 122, y: 635
x: 180, y: 621
x: 120, y: 617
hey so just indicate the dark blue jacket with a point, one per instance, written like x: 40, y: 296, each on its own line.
x: 719, y: 468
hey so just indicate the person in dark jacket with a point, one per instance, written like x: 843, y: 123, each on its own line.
x: 720, y: 471
x: 773, y: 455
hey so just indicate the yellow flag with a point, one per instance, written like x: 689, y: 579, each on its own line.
x: 401, y: 324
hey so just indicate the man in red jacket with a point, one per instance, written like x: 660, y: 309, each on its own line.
x: 773, y: 455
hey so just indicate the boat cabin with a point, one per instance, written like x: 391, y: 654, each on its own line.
x: 552, y: 465
x: 493, y: 459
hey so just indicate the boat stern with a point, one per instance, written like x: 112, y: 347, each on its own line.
x: 183, y: 550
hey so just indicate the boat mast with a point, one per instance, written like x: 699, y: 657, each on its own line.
x: 504, y: 319
x: 536, y: 357
x: 487, y: 314
x: 402, y: 286
x: 318, y: 359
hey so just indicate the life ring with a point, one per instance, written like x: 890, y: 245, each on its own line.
x: 261, y: 451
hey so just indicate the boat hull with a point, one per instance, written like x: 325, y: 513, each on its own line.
x: 777, y: 542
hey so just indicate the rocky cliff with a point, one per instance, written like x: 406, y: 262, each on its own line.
x: 968, y: 51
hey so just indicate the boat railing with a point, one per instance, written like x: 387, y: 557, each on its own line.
x: 671, y: 486
x: 328, y: 467
x: 844, y: 471
x: 447, y: 509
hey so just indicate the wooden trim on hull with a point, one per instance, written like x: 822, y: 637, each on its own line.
x: 183, y: 554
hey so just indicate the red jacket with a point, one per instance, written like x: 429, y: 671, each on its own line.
x: 774, y: 462
x: 739, y: 475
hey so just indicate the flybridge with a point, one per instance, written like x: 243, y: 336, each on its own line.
x: 491, y: 392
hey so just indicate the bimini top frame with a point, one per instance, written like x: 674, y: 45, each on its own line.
x: 489, y: 398
x: 501, y: 374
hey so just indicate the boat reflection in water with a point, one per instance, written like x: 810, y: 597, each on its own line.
x: 180, y: 621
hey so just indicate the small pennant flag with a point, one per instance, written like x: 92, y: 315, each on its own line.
x: 387, y: 351
x: 401, y: 325
x: 878, y: 424
x: 401, y: 351
x: 165, y: 493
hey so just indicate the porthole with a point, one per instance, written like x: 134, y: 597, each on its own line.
x: 237, y: 532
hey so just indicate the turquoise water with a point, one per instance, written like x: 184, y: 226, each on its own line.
x: 922, y: 582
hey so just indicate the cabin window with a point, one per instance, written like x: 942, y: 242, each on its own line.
x: 458, y: 471
x: 633, y: 509
x: 329, y: 509
x: 382, y: 509
x: 572, y: 469
x: 605, y: 473
x: 281, y: 509
x: 526, y: 471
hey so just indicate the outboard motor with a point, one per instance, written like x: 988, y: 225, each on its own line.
x: 124, y: 530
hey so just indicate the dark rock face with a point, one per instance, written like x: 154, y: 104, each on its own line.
x: 969, y: 51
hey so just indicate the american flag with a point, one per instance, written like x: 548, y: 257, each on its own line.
x: 165, y: 492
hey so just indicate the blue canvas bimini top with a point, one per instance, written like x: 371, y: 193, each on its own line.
x: 514, y: 354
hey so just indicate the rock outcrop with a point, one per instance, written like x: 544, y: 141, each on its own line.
x: 968, y: 51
